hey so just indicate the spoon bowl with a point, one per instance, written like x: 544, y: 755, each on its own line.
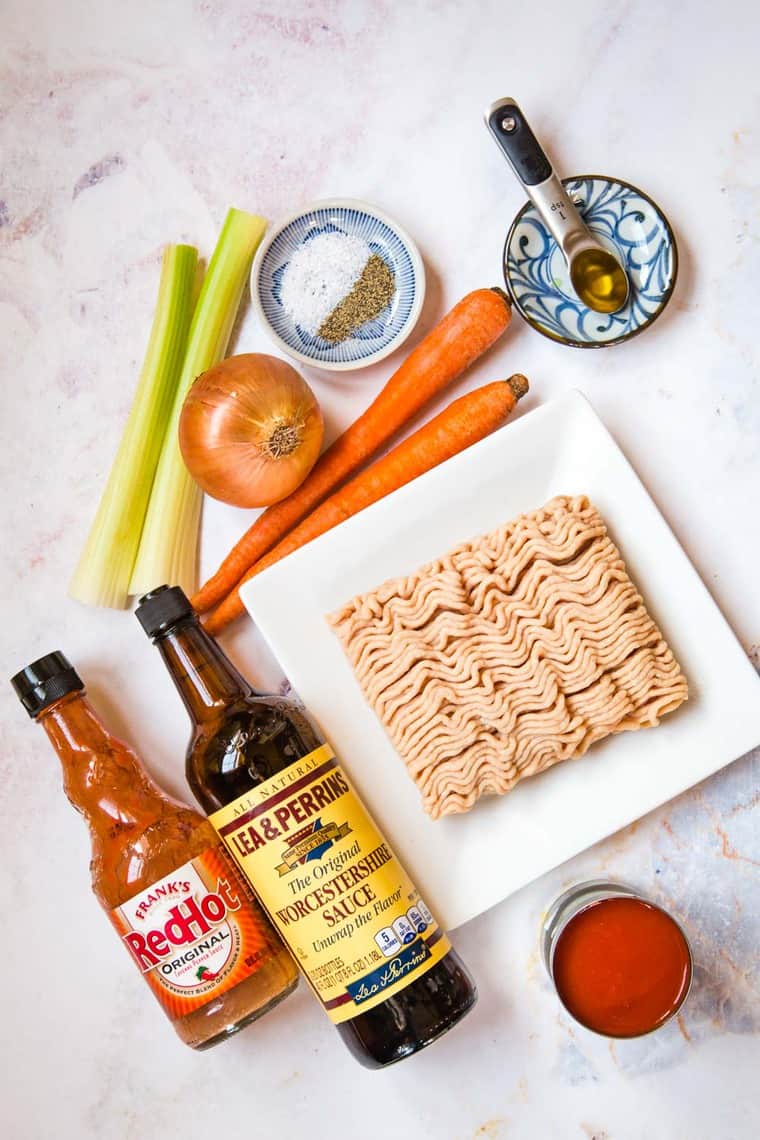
x: 599, y: 279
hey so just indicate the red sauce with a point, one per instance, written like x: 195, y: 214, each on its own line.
x: 621, y: 967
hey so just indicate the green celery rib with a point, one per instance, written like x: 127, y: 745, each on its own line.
x: 169, y: 544
x: 106, y: 563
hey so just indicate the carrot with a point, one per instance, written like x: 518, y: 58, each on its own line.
x: 461, y: 424
x: 460, y: 338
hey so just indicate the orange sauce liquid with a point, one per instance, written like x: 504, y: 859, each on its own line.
x: 622, y: 967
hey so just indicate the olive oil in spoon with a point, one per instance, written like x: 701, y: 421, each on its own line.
x: 599, y: 280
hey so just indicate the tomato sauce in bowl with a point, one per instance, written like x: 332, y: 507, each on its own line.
x: 621, y: 966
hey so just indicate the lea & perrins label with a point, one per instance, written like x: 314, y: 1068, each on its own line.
x: 195, y: 933
x: 331, y: 885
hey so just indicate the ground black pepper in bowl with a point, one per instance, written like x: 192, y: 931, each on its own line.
x: 371, y: 294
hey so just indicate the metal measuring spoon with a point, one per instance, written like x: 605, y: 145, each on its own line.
x: 596, y: 274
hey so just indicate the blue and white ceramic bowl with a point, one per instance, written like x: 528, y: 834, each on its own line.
x: 632, y: 226
x: 376, y: 338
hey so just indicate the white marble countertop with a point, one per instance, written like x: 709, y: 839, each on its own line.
x: 124, y: 126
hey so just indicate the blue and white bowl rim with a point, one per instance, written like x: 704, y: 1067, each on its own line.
x: 372, y: 211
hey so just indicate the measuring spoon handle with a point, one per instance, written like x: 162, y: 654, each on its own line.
x: 533, y: 170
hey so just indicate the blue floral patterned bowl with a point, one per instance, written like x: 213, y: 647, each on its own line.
x: 376, y: 338
x: 632, y: 226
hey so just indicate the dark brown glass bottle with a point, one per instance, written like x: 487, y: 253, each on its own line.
x: 246, y: 745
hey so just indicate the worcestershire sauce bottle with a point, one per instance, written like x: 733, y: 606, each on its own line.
x: 375, y: 957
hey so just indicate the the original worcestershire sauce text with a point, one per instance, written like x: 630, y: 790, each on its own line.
x: 331, y: 884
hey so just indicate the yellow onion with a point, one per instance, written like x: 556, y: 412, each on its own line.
x: 250, y: 430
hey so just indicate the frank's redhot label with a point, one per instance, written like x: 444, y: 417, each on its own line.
x: 195, y: 933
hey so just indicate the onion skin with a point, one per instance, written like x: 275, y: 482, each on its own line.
x: 250, y: 430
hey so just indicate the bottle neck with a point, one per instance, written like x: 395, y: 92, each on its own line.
x: 205, y: 677
x: 102, y: 777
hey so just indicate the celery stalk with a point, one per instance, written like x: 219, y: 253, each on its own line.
x: 106, y: 563
x: 169, y: 544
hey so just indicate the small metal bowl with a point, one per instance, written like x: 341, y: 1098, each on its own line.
x: 371, y: 341
x: 578, y: 898
x: 632, y: 226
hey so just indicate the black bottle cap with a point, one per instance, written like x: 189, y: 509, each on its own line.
x: 46, y: 681
x: 162, y: 608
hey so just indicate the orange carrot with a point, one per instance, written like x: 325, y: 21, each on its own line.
x: 460, y: 338
x: 461, y: 424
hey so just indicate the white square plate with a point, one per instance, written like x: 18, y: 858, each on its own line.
x: 464, y: 864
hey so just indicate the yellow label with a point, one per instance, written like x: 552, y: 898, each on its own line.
x: 331, y: 885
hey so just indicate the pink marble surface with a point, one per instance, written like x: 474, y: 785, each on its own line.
x: 124, y: 126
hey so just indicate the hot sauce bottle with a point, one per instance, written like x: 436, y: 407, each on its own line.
x: 372, y: 952
x: 183, y: 911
